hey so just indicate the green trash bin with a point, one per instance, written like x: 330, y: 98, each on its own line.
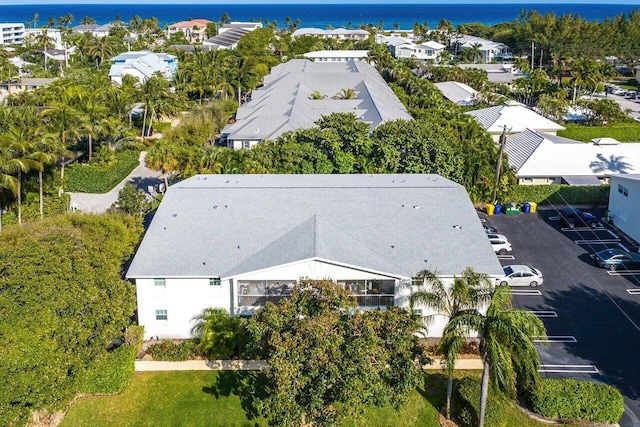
x: 511, y: 209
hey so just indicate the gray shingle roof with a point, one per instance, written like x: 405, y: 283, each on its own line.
x: 456, y: 92
x: 224, y: 225
x: 284, y: 102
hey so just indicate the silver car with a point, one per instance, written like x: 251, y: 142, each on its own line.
x: 521, y: 275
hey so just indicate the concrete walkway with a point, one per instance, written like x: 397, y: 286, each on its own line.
x: 142, y: 177
x: 256, y: 365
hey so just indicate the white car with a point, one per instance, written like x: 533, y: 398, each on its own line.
x: 499, y: 243
x: 521, y: 275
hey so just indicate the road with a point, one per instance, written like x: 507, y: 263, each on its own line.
x: 142, y: 177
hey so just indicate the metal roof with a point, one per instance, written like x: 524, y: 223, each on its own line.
x: 459, y: 93
x: 285, y: 101
x: 515, y: 116
x: 226, y: 225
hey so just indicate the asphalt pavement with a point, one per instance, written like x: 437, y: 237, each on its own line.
x: 592, y: 315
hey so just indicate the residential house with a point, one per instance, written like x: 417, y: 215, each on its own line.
x: 227, y: 40
x: 195, y: 30
x: 513, y: 117
x: 11, y: 33
x: 143, y: 64
x: 542, y: 158
x: 489, y: 50
x: 426, y: 51
x: 94, y: 29
x: 624, y: 204
x: 20, y: 64
x: 54, y: 34
x: 339, y: 33
x: 497, y: 73
x: 238, y: 241
x: 458, y: 93
x: 337, y: 55
x: 24, y: 85
x: 287, y: 101
x: 237, y: 24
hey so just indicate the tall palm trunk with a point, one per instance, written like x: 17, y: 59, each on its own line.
x: 484, y: 390
x: 19, y: 197
x: 90, y: 148
x: 449, y: 392
x: 40, y: 192
x: 144, y: 122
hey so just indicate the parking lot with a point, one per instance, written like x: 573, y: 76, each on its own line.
x: 592, y: 315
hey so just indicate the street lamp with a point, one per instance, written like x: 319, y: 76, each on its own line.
x: 503, y: 141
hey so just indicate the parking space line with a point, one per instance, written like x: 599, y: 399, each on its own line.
x: 597, y: 242
x: 623, y: 273
x: 623, y: 247
x: 556, y: 338
x: 544, y: 313
x: 506, y: 257
x: 526, y: 292
x: 572, y: 369
x: 583, y: 229
x: 615, y: 236
x: 633, y: 291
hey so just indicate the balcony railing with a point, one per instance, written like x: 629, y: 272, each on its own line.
x: 363, y: 300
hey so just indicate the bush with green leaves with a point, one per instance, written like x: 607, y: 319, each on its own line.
x: 221, y: 335
x: 134, y: 336
x: 466, y: 404
x: 573, y: 400
x: 110, y: 372
x: 131, y: 201
x: 170, y: 351
x: 98, y: 178
x: 62, y: 301
x: 557, y: 194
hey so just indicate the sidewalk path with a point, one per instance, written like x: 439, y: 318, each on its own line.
x: 142, y: 177
x: 255, y: 365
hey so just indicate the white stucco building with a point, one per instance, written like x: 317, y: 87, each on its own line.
x: 142, y: 65
x: 237, y: 241
x: 11, y: 33
x: 624, y: 204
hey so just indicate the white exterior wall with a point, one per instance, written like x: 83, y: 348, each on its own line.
x: 182, y: 298
x: 539, y: 180
x: 187, y: 297
x: 625, y: 210
x: 11, y: 33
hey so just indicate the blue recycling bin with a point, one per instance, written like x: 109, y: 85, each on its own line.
x: 498, y: 209
x: 526, y: 207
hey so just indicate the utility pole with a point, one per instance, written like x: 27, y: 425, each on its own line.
x: 503, y: 141
x: 541, y: 55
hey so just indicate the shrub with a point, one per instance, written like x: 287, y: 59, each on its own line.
x: 466, y: 404
x: 110, y: 372
x: 92, y: 178
x: 134, y: 336
x: 170, y: 351
x: 558, y: 194
x: 221, y: 335
x: 569, y: 399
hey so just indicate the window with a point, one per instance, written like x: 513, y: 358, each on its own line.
x: 623, y: 190
x: 246, y: 144
x: 417, y: 312
x: 214, y: 281
x: 417, y: 281
x: 160, y: 282
x: 161, y: 315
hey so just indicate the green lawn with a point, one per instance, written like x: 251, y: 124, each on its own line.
x: 624, y: 132
x: 199, y: 398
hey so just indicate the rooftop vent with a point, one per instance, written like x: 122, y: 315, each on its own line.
x: 457, y: 227
x: 416, y: 206
x: 174, y: 215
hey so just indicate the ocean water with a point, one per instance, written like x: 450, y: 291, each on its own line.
x: 313, y: 15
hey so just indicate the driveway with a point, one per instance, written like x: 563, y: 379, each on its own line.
x: 142, y: 177
x: 592, y: 315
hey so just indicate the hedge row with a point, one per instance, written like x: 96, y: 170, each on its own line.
x: 110, y: 372
x: 52, y: 206
x: 624, y: 132
x: 170, y: 351
x: 573, y: 400
x: 89, y: 178
x: 558, y: 194
x: 466, y: 404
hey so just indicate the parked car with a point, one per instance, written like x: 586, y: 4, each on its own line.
x: 490, y: 230
x: 521, y: 275
x: 499, y: 243
x: 613, y: 259
x: 570, y: 217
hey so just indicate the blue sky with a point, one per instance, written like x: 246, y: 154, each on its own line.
x: 15, y: 2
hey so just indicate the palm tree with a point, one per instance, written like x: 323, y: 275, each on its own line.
x: 468, y: 292
x: 317, y: 95
x: 345, y: 94
x: 17, y: 141
x: 102, y: 47
x: 162, y: 157
x: 509, y: 355
x: 476, y: 52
